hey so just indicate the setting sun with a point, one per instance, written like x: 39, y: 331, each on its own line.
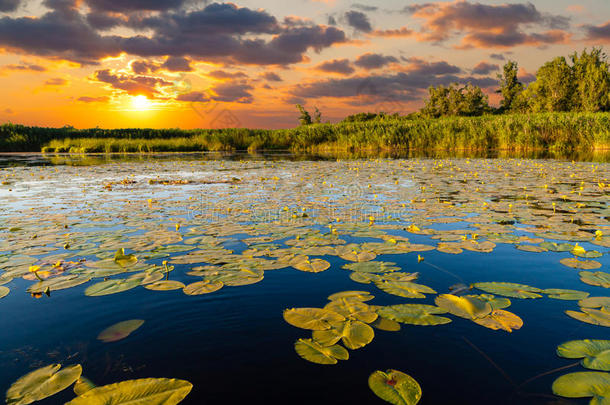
x: 141, y: 103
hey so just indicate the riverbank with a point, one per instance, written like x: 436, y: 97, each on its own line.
x: 547, y: 131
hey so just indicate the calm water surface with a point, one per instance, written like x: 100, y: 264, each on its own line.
x: 233, y: 345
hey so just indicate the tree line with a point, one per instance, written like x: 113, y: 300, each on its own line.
x: 579, y: 83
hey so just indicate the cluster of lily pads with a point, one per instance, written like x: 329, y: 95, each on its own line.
x: 221, y: 232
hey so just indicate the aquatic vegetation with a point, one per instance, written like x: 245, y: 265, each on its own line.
x: 584, y: 384
x: 153, y: 391
x: 119, y: 330
x: 42, y: 383
x: 395, y: 387
x: 435, y: 231
x: 595, y: 353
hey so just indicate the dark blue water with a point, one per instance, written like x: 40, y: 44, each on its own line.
x: 234, y: 346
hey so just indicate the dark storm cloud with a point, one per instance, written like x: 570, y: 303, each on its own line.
x: 341, y: 66
x: 358, y: 21
x: 371, y: 61
x: 221, y: 74
x: 135, y: 5
x: 177, y: 64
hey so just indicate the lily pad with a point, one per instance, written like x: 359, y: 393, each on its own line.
x: 596, y: 302
x: 595, y: 353
x: 124, y: 260
x: 165, y: 285
x: 464, y: 307
x: 42, y: 383
x: 414, y: 314
x: 352, y: 309
x: 584, y: 384
x: 354, y: 334
x: 405, y: 289
x: 312, y: 351
x: 352, y: 295
x: 599, y: 278
x: 561, y: 294
x: 599, y: 317
x: 119, y: 330
x: 312, y: 318
x: 312, y: 266
x: 372, y: 267
x: 395, y: 387
x: 512, y: 290
x: 110, y: 287
x: 149, y: 391
x: 500, y: 319
x: 580, y: 264
x: 202, y: 287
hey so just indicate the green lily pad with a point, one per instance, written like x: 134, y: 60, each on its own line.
x: 42, y: 383
x: 561, y: 294
x: 500, y: 320
x: 312, y: 351
x: 599, y: 317
x: 352, y: 295
x: 110, y: 287
x: 596, y: 302
x: 372, y: 267
x: 599, y: 278
x: 149, y: 391
x: 395, y: 387
x: 385, y: 324
x: 312, y: 318
x: 354, y: 334
x: 557, y: 247
x: 312, y: 266
x: 580, y: 264
x: 202, y: 287
x: 119, y: 330
x: 512, y: 290
x: 83, y: 385
x: 405, y: 289
x: 595, y: 353
x: 352, y: 309
x: 584, y: 384
x: 414, y: 314
x: 165, y: 285
x: 464, y: 307
x: 4, y: 291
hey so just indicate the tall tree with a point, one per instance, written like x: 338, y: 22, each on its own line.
x: 553, y: 89
x: 510, y: 86
x: 304, y: 118
x: 592, y: 81
x: 454, y: 100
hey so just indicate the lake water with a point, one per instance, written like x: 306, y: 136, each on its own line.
x: 249, y: 221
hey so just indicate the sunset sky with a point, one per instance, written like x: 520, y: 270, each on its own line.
x: 192, y: 63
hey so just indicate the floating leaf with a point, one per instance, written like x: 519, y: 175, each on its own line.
x: 599, y: 317
x: 584, y: 384
x: 4, y: 291
x: 146, y: 391
x: 312, y: 318
x: 312, y: 351
x: 599, y: 278
x: 165, y: 285
x: 414, y: 314
x: 202, y: 287
x: 512, y: 290
x: 464, y: 307
x: 395, y: 387
x: 561, y: 294
x: 42, y: 383
x: 119, y: 330
x: 580, y: 264
x: 372, y: 267
x: 405, y: 289
x: 557, y: 247
x: 500, y: 319
x: 385, y: 324
x: 595, y: 353
x: 354, y: 334
x: 596, y: 302
x: 312, y: 266
x: 352, y: 309
x: 352, y: 295
x: 110, y: 287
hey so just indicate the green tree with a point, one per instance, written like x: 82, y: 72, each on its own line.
x: 510, y: 86
x: 591, y: 81
x: 553, y: 89
x: 304, y: 118
x: 454, y: 100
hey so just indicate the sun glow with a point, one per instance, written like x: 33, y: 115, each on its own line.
x: 141, y: 103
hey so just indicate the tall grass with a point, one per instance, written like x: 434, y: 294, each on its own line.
x: 547, y: 131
